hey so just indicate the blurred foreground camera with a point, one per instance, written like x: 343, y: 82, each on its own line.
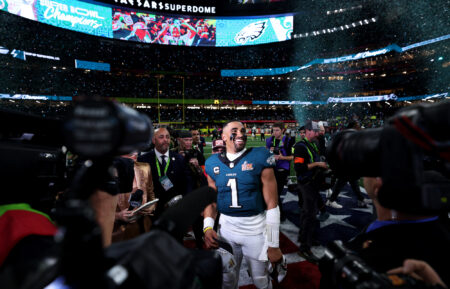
x: 414, y: 142
x: 98, y: 128
x: 33, y: 152
x: 350, y: 271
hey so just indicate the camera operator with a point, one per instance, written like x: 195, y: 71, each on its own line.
x: 395, y: 235
x: 408, y: 193
x: 279, y: 145
x: 33, y: 256
x: 306, y: 163
x: 419, y: 270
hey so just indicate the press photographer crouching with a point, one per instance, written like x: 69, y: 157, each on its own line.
x: 406, y: 173
x: 68, y: 252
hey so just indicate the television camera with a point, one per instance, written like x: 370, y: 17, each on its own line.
x: 413, y: 141
x: 97, y: 130
x: 350, y: 271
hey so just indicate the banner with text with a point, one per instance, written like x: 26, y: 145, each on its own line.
x: 76, y: 15
x: 201, y: 7
x: 362, y: 98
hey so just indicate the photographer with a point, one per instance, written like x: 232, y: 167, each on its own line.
x: 419, y: 270
x: 307, y: 163
x: 396, y: 235
x: 408, y: 194
x: 279, y: 145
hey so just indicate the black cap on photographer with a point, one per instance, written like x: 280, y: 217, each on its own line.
x: 311, y: 125
x: 184, y: 134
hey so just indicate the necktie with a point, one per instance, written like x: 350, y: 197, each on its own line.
x: 163, y: 164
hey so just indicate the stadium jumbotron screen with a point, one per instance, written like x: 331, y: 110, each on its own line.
x: 152, y: 28
x: 126, y: 24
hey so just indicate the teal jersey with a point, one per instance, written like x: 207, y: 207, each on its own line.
x: 239, y: 182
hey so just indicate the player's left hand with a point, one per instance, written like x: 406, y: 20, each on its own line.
x: 274, y: 254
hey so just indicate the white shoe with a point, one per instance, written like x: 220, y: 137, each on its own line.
x: 333, y: 204
x: 329, y: 192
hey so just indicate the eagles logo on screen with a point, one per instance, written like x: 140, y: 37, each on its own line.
x: 251, y: 32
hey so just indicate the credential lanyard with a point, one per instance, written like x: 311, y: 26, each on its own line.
x: 165, y: 169
x: 313, y: 145
x: 280, y: 144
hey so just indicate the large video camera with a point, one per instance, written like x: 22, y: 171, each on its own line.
x: 350, y: 271
x: 34, y: 149
x: 96, y: 131
x: 413, y: 145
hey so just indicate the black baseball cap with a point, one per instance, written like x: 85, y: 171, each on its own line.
x: 312, y: 125
x: 184, y: 134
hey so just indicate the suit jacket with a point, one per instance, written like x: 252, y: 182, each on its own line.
x: 177, y: 173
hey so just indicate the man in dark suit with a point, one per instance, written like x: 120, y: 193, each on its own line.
x: 169, y: 172
x: 198, y: 142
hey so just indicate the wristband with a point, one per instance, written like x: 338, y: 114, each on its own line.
x: 273, y: 227
x: 208, y: 222
x: 206, y: 229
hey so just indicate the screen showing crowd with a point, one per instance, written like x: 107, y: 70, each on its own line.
x: 151, y: 28
x: 132, y: 25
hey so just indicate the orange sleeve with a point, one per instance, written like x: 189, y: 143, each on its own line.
x: 299, y: 160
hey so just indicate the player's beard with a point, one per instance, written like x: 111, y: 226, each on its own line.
x: 240, y: 144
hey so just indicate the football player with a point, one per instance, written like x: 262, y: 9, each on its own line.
x: 248, y: 202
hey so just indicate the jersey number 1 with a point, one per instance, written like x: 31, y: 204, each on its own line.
x: 234, y: 194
